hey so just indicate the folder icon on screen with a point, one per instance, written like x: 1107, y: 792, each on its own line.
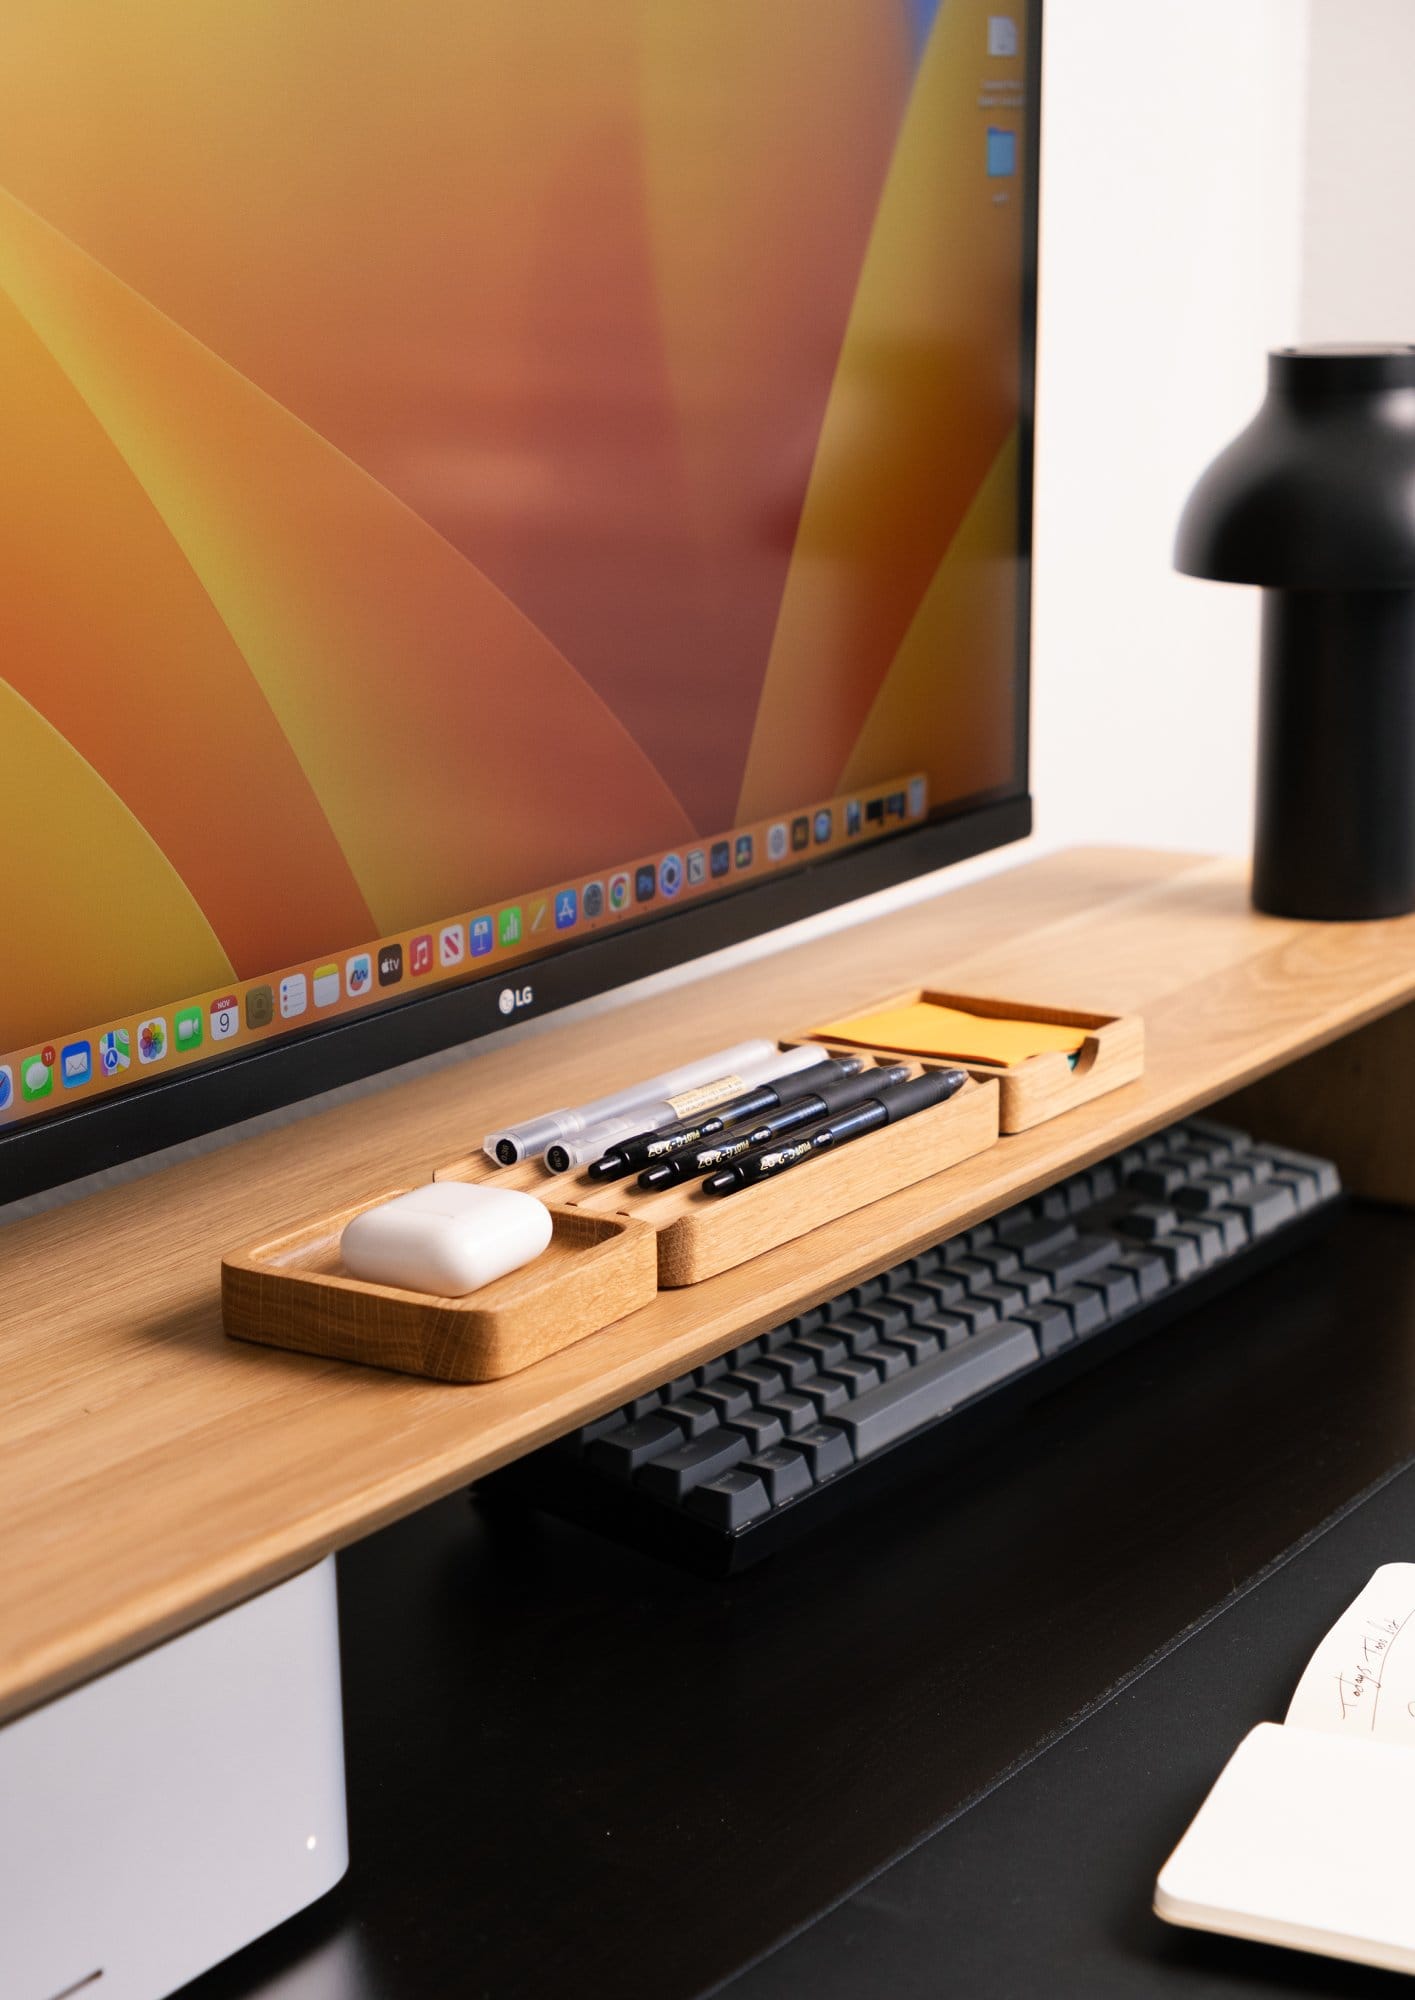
x: 1002, y: 152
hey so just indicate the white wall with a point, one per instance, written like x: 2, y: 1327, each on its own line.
x: 1358, y: 277
x: 1171, y: 260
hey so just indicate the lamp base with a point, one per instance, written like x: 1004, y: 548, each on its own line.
x: 1334, y: 837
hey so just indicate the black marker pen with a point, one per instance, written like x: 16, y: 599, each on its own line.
x: 822, y: 1103
x: 902, y: 1100
x: 664, y: 1141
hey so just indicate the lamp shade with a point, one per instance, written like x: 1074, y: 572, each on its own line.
x: 1318, y: 493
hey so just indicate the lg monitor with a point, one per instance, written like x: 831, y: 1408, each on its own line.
x: 495, y: 499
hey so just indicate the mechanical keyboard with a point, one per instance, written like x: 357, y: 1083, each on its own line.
x: 745, y: 1454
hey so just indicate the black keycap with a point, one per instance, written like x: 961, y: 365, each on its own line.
x: 683, y: 1385
x: 828, y: 1348
x: 1148, y: 1220
x: 1086, y: 1307
x: 692, y: 1414
x: 972, y: 1272
x: 1104, y: 1181
x: 778, y: 1337
x: 795, y: 1362
x: 918, y: 1343
x: 1267, y: 1208
x: 644, y: 1406
x: 758, y: 1428
x: 1072, y: 1262
x: 1179, y: 1253
x: 727, y: 1397
x: 622, y: 1452
x: 975, y: 1314
x: 763, y: 1378
x: 784, y: 1471
x: 1150, y: 1272
x: 947, y: 1328
x: 1158, y: 1179
x: 826, y: 1393
x: 857, y: 1375
x: 1035, y: 1237
x: 749, y: 1350
x: 866, y: 1292
x: 887, y: 1358
x: 887, y: 1318
x: 827, y: 1450
x: 678, y: 1472
x: 894, y: 1409
x: 1198, y: 1196
x: 1033, y: 1285
x: 792, y: 1410
x: 980, y: 1235
x: 710, y: 1370
x: 1118, y: 1289
x: 1077, y: 1191
x: 1051, y: 1324
x: 924, y: 1264
x: 950, y: 1252
x: 1052, y: 1206
x: 730, y: 1501
x: 809, y: 1322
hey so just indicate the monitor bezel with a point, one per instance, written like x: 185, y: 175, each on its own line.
x: 77, y: 1142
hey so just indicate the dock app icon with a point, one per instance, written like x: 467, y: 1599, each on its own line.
x: 326, y: 985
x: 294, y: 996
x: 390, y: 965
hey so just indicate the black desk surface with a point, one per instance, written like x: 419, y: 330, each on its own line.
x: 572, y: 1770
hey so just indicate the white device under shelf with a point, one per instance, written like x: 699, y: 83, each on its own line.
x: 160, y: 1817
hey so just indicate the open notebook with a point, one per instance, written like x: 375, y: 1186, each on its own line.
x: 1308, y: 1837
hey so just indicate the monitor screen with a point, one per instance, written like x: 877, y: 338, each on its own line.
x: 480, y: 480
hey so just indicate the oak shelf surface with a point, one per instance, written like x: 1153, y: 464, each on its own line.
x: 153, y: 1471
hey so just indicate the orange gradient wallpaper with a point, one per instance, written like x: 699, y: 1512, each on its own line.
x: 455, y: 447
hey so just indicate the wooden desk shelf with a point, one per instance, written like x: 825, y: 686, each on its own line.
x: 153, y: 1471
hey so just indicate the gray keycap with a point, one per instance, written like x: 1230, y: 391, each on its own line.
x: 975, y: 1314
x: 1209, y: 1129
x: 1002, y: 1295
x: 918, y: 1343
x: 896, y: 1408
x: 1035, y: 1236
x: 731, y: 1500
x: 827, y: 1347
x: 1148, y: 1220
x: 887, y: 1318
x: 784, y: 1471
x: 857, y: 1332
x: 763, y: 1378
x: 622, y: 1452
x: 857, y: 1375
x: 1071, y: 1263
x: 795, y: 1362
x: 1087, y: 1306
x: 1208, y: 1191
x: 914, y: 1299
x: 1267, y: 1208
x: 1206, y: 1236
x: 1179, y: 1253
x: 727, y: 1397
x: 999, y: 1258
x: 1234, y: 1227
x: 678, y: 1472
x: 945, y: 1290
x: 1117, y: 1287
x: 888, y: 1359
x: 1051, y: 1324
x: 1150, y: 1272
x: 946, y: 1327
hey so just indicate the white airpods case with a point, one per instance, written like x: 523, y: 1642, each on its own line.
x: 448, y: 1238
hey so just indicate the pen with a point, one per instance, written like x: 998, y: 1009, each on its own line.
x: 664, y: 1142
x: 901, y: 1100
x: 525, y: 1141
x: 796, y: 1112
x: 573, y: 1149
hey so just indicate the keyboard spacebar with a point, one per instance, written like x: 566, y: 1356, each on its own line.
x: 882, y: 1416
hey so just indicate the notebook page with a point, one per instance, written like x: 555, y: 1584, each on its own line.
x: 1360, y: 1682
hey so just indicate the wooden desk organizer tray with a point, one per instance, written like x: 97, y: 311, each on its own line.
x: 292, y: 1292
x: 700, y: 1234
x: 1112, y: 1054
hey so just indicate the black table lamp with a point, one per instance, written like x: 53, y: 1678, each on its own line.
x: 1315, y: 502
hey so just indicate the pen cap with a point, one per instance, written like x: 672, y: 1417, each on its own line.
x: 529, y: 1140
x: 917, y: 1093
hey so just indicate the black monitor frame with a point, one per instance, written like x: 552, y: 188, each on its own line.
x: 73, y: 1143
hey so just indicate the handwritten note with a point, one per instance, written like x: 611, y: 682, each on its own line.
x: 1361, y: 1679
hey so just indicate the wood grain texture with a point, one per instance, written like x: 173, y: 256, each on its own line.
x: 294, y: 1292
x: 152, y: 1471
x: 700, y: 1235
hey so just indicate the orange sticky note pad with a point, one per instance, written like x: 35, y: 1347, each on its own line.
x: 925, y: 1028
